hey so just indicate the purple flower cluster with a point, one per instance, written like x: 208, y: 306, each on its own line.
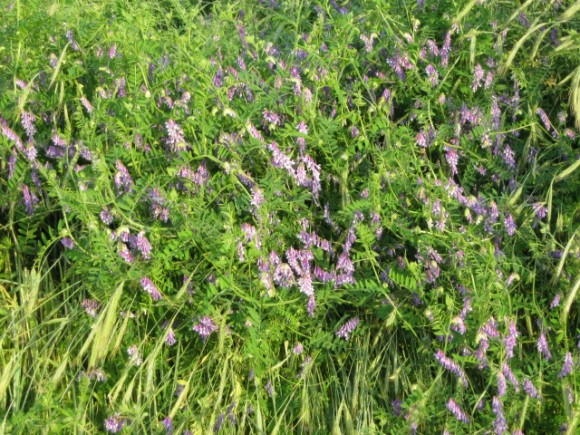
x: 150, y: 288
x: 96, y: 374
x: 298, y: 349
x: 457, y: 412
x: 271, y: 118
x: 106, y: 216
x: 400, y: 63
x: 198, y: 177
x: 478, y: 74
x: 347, y: 329
x: 67, y: 242
x: 501, y: 384
x: 567, y: 366
x: 28, y: 119
x: 452, y: 366
x: 540, y: 210
x: 29, y: 199
x: 125, y: 253
x: 542, y: 346
x: 489, y: 328
x: 157, y: 201
x: 510, y: 225
x: 507, y: 372
x: 432, y: 74
x: 510, y: 340
x: 91, y: 307
x: 254, y: 132
x: 556, y: 301
x: 143, y: 245
x: 114, y: 424
x: 311, y: 306
x: 167, y: 425
x: 368, y: 41
x: 205, y: 327
x: 134, y: 355
x: 500, y: 423
x: 123, y: 180
x: 86, y: 104
x: 175, y: 139
x: 300, y: 260
x: 452, y: 159
x: 530, y: 390
x: 473, y: 116
x: 170, y: 337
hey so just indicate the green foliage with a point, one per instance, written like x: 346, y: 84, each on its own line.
x: 271, y: 217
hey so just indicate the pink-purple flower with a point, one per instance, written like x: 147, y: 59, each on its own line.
x: 567, y: 366
x: 150, y: 288
x: 530, y: 390
x: 452, y: 366
x: 143, y: 245
x: 542, y: 346
x: 114, y: 424
x: 509, y: 375
x: 500, y: 423
x: 510, y: 340
x: 204, y: 327
x: 457, y: 412
x: 170, y: 337
x: 91, y: 307
x: 123, y: 180
x: 510, y: 224
x: 346, y: 330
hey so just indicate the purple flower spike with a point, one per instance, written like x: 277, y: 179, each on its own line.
x: 28, y: 119
x: 500, y: 423
x: 29, y: 199
x: 87, y: 104
x: 530, y: 390
x: 175, y: 139
x: 478, y: 74
x: 507, y: 372
x: 311, y: 306
x: 205, y: 327
x: 432, y: 74
x: 143, y: 245
x: 106, y: 216
x: 91, y: 307
x: 510, y: 225
x: 452, y: 366
x: 123, y: 180
x: 556, y: 301
x: 67, y: 242
x: 540, y: 211
x: 114, y: 424
x: 269, y: 388
x: 544, y: 117
x: 168, y: 425
x: 347, y: 329
x: 501, y: 384
x: 457, y: 412
x: 542, y: 345
x: 170, y: 337
x: 568, y: 365
x: 150, y: 288
x: 510, y: 341
x: 271, y: 117
x: 489, y: 328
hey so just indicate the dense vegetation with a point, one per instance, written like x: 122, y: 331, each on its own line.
x: 289, y: 216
